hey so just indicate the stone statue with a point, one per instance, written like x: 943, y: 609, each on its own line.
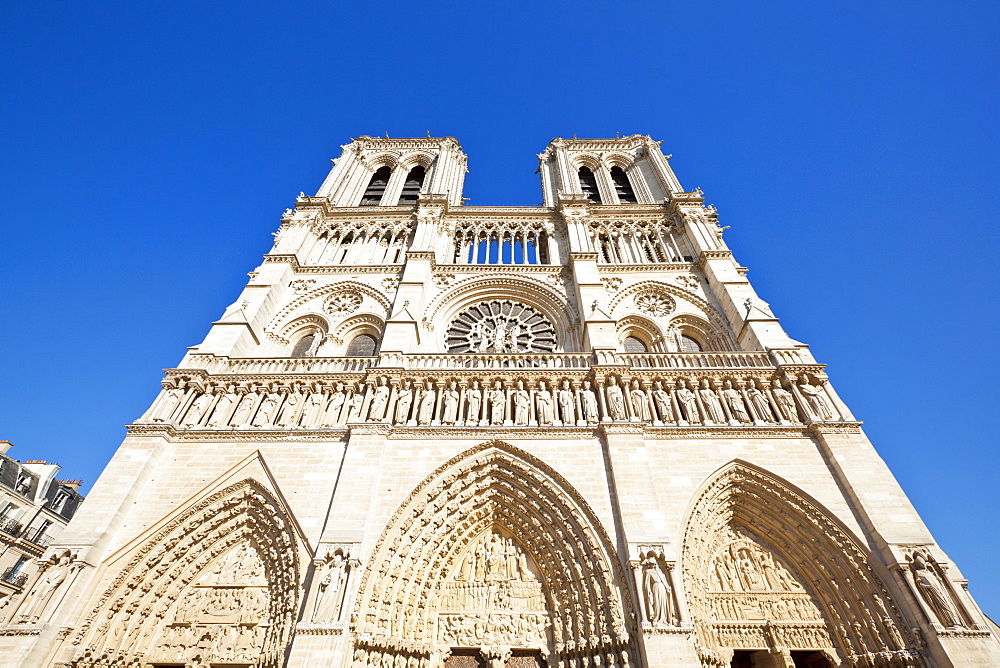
x: 474, y: 401
x: 709, y: 399
x: 171, y: 400
x: 497, y: 401
x: 330, y: 595
x: 46, y: 587
x: 522, y: 402
x: 450, y: 400
x: 404, y: 401
x: 658, y: 594
x: 242, y: 415
x: 814, y: 397
x: 616, y: 400
x: 287, y: 416
x: 688, y: 402
x: 317, y: 342
x: 425, y: 411
x: 786, y: 402
x: 640, y: 407
x: 589, y: 404
x: 357, y: 401
x: 567, y: 404
x: 331, y: 415
x: 934, y: 593
x: 543, y: 399
x: 223, y: 407
x: 376, y: 412
x: 758, y: 400
x: 312, y: 414
x: 735, y: 402
x: 197, y: 410
x: 662, y: 400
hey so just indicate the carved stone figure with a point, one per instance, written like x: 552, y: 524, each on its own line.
x: 814, y: 397
x: 242, y: 415
x: 376, y: 412
x: 758, y: 400
x: 616, y: 400
x: 474, y: 404
x: 543, y: 399
x: 589, y: 404
x: 357, y: 400
x: 934, y: 593
x: 567, y: 404
x: 450, y: 399
x: 688, y: 402
x: 223, y: 407
x: 288, y: 415
x: 497, y: 401
x: 317, y: 342
x: 312, y: 414
x: 661, y: 398
x: 46, y: 587
x: 330, y: 594
x: 331, y: 415
x: 404, y: 402
x: 197, y: 410
x: 267, y: 408
x: 640, y: 407
x: 425, y: 412
x: 658, y: 594
x: 735, y: 402
x: 171, y: 399
x: 710, y: 400
x: 522, y: 403
x: 786, y: 402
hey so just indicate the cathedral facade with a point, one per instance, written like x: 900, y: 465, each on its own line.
x: 429, y: 434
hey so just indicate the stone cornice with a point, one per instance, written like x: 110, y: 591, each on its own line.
x: 708, y: 255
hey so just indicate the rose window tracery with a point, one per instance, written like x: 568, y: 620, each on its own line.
x: 500, y: 326
x: 655, y: 304
x: 342, y: 303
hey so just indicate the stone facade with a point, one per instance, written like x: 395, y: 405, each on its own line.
x: 430, y: 434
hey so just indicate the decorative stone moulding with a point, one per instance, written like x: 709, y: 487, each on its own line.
x: 655, y: 303
x: 501, y: 326
x: 342, y: 303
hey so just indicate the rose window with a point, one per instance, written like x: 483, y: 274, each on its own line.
x: 500, y: 327
x: 342, y: 303
x: 655, y: 304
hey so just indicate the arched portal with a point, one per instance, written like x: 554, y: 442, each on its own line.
x: 216, y: 585
x: 493, y: 549
x: 767, y: 570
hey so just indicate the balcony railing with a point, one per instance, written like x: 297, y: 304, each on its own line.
x: 709, y: 360
x: 14, y: 578
x: 488, y: 361
x: 278, y: 365
x: 39, y: 539
x: 12, y: 527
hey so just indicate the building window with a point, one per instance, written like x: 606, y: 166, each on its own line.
x: 689, y: 344
x: 7, y: 510
x: 588, y: 185
x: 59, y: 502
x: 305, y: 346
x: 19, y: 565
x: 411, y: 188
x: 635, y: 345
x: 623, y: 187
x: 40, y: 531
x: 363, y: 345
x: 376, y: 187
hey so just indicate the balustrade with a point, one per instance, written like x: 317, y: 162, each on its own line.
x: 494, y: 361
x: 702, y: 360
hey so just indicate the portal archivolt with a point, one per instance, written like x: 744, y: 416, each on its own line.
x: 218, y: 584
x: 493, y: 549
x: 766, y: 569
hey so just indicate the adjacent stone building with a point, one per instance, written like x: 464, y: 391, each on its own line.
x: 429, y: 434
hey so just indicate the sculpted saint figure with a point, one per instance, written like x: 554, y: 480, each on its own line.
x: 331, y: 415
x: 616, y: 401
x: 814, y: 395
x: 223, y: 407
x: 242, y: 415
x: 474, y: 399
x: 46, y: 587
x: 934, y: 593
x: 589, y: 404
x: 331, y: 591
x: 659, y: 599
x: 688, y: 403
x: 197, y: 410
x: 290, y: 409
x: 497, y: 401
x: 786, y: 402
x: 735, y: 402
x: 171, y: 400
x: 404, y: 401
x: 450, y: 399
x: 357, y: 400
x: 317, y: 343
x: 713, y: 408
x: 760, y: 404
x: 567, y: 404
x: 543, y: 398
x: 425, y: 412
x: 376, y: 412
x: 522, y: 402
x: 640, y: 407
x: 313, y: 411
x: 662, y: 400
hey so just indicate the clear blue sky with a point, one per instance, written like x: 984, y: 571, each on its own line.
x: 149, y: 149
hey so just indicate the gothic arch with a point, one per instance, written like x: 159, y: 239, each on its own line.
x: 711, y: 314
x: 641, y: 328
x: 493, y: 487
x: 358, y: 324
x: 312, y: 321
x: 528, y: 291
x: 343, y: 286
x: 766, y: 567
x: 154, y: 589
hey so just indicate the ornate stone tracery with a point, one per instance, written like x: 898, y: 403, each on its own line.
x: 425, y: 594
x: 501, y: 326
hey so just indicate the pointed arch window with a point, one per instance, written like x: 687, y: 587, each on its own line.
x: 363, y: 345
x: 634, y: 344
x: 623, y: 187
x: 689, y: 344
x: 588, y: 185
x: 411, y: 188
x: 308, y: 345
x: 376, y: 187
